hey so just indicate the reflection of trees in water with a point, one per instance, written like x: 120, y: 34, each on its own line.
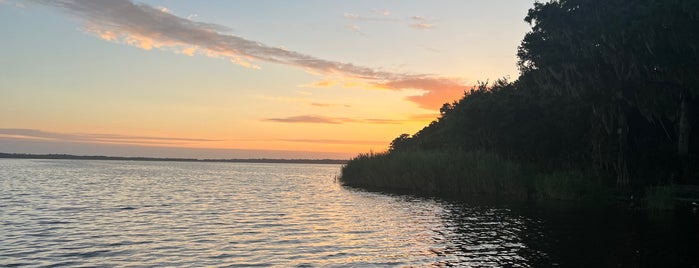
x: 482, y: 236
x: 486, y: 236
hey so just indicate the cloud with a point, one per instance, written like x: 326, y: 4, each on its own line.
x: 16, y: 4
x: 34, y: 134
x: 321, y: 84
x: 334, y: 141
x: 317, y: 104
x: 317, y: 119
x: 431, y: 49
x: 345, y: 83
x: 147, y: 27
x: 351, y: 16
x: 164, y: 9
x: 437, y: 91
x: 383, y: 16
x: 356, y: 29
x: 384, y: 12
x: 320, y: 119
x: 421, y: 23
x: 422, y: 26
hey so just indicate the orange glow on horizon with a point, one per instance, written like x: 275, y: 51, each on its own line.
x: 324, y: 87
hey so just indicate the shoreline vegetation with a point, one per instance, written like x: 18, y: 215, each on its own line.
x: 604, y: 111
x: 162, y: 159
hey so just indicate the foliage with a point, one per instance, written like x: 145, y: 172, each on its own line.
x: 437, y: 172
x: 623, y: 59
x: 608, y: 89
x: 399, y: 143
x: 570, y: 185
x: 660, y: 197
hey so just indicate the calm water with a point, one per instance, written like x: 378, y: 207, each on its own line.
x: 114, y: 213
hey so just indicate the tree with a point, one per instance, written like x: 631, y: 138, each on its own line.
x: 400, y: 143
x: 620, y: 57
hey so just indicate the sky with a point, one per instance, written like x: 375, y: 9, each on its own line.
x: 241, y: 79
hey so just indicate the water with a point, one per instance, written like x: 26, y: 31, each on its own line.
x: 128, y: 213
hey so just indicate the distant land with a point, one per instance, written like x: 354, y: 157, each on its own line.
x: 100, y: 157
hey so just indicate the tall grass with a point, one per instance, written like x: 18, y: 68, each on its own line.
x: 660, y: 197
x: 570, y: 185
x: 468, y: 174
x: 437, y: 172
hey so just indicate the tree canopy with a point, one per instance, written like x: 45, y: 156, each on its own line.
x: 608, y: 85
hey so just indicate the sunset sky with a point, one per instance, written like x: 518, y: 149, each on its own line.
x: 241, y: 79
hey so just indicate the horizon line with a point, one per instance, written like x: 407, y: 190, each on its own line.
x: 59, y: 156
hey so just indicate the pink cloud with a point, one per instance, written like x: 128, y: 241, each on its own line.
x: 320, y: 119
x: 437, y: 90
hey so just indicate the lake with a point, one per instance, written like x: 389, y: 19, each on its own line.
x: 131, y: 213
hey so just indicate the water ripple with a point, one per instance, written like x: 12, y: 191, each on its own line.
x: 112, y: 213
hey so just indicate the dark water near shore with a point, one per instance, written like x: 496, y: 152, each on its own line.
x: 127, y: 213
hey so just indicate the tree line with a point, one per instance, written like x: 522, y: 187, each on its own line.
x: 605, y: 86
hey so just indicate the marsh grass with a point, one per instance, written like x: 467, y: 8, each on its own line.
x: 468, y: 174
x: 437, y: 172
x: 571, y: 185
x: 660, y: 197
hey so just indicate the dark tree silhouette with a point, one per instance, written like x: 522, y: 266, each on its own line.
x: 621, y: 57
x: 606, y: 87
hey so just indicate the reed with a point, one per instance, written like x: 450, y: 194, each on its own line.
x: 660, y: 197
x: 437, y: 172
x: 468, y: 174
x: 570, y: 185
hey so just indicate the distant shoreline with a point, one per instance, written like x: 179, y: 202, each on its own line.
x: 165, y: 159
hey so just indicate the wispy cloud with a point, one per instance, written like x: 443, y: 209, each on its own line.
x: 317, y: 104
x: 16, y: 4
x: 320, y: 119
x: 416, y: 22
x: 421, y: 23
x: 358, y: 30
x: 334, y: 141
x: 304, y: 100
x: 164, y: 9
x: 431, y: 49
x: 382, y: 16
x: 34, y: 134
x: 147, y: 27
x: 422, y: 26
x: 316, y: 119
x: 351, y: 16
x: 384, y: 12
